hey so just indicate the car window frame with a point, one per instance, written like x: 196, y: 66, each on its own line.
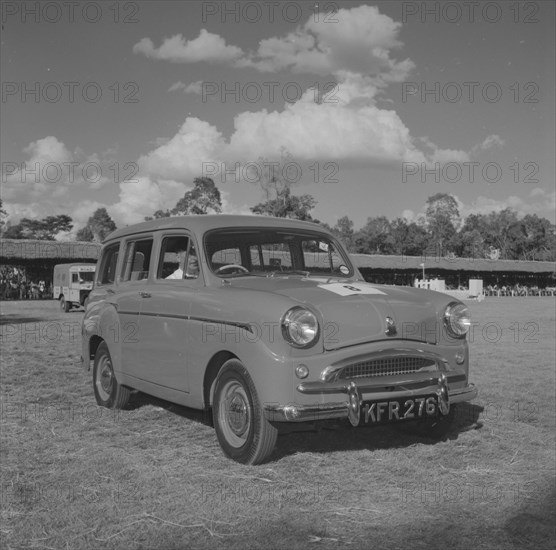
x: 303, y: 233
x: 117, y: 245
x: 125, y: 241
x: 178, y: 232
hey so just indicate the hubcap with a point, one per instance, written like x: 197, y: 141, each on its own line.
x: 105, y: 378
x: 235, y: 413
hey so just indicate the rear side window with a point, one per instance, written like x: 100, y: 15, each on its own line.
x: 107, y: 272
x: 137, y: 260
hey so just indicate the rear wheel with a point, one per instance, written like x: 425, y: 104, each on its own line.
x: 64, y: 305
x: 108, y: 392
x: 243, y: 431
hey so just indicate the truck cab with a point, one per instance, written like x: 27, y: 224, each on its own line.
x: 73, y: 284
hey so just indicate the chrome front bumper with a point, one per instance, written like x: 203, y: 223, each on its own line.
x: 354, y: 393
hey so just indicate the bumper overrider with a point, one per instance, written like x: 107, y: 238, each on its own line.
x: 360, y: 394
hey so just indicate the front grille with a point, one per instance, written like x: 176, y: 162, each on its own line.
x: 385, y: 367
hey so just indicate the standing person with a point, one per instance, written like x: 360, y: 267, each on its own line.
x: 22, y: 290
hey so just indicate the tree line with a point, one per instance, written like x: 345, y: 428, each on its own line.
x: 441, y: 229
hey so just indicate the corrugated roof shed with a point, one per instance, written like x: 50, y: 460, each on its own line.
x: 451, y: 264
x: 20, y: 249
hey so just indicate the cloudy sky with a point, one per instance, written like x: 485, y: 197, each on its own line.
x: 379, y: 105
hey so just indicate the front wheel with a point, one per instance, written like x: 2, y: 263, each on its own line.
x: 64, y: 305
x: 108, y: 392
x: 243, y: 432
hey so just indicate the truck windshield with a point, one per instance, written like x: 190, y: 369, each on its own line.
x: 86, y: 276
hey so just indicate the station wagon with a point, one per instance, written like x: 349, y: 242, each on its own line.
x: 261, y: 321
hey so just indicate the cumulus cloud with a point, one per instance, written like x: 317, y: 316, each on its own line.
x: 193, y: 88
x: 360, y: 41
x: 182, y: 156
x: 323, y: 131
x: 143, y: 197
x: 51, y: 170
x: 490, y: 142
x: 539, y: 201
x: 208, y: 47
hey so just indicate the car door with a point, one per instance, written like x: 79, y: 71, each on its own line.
x: 132, y: 288
x: 165, y: 312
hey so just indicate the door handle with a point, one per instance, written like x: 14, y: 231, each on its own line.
x: 145, y: 294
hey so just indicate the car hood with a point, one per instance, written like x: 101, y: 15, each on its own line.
x: 356, y: 312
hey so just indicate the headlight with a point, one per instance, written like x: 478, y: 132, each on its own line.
x: 300, y: 327
x: 457, y: 319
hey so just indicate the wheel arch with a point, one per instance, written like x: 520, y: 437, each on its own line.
x: 94, y: 343
x: 211, y: 372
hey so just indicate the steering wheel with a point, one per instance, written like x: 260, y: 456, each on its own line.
x: 232, y: 266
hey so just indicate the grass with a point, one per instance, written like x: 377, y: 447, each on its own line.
x: 74, y: 475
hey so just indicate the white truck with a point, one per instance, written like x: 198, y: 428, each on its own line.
x: 72, y: 284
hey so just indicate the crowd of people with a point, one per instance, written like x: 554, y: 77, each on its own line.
x: 518, y: 290
x: 15, y: 284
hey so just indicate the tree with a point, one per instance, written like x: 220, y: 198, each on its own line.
x: 535, y: 238
x: 45, y: 229
x: 471, y: 240
x: 204, y: 198
x: 501, y: 232
x: 374, y: 237
x: 280, y: 201
x: 287, y: 205
x: 3, y: 214
x: 344, y: 231
x: 442, y: 219
x: 409, y: 239
x: 85, y: 234
x: 98, y: 227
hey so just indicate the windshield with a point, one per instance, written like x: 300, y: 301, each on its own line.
x: 86, y: 276
x: 272, y: 252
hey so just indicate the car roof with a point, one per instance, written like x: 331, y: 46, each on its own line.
x: 203, y: 223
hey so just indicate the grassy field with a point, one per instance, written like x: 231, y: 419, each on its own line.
x: 74, y: 475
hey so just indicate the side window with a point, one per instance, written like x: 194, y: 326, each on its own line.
x: 107, y: 271
x: 137, y: 260
x: 74, y: 278
x: 178, y: 259
x: 173, y: 255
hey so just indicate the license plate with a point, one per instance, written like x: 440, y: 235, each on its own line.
x: 394, y: 410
